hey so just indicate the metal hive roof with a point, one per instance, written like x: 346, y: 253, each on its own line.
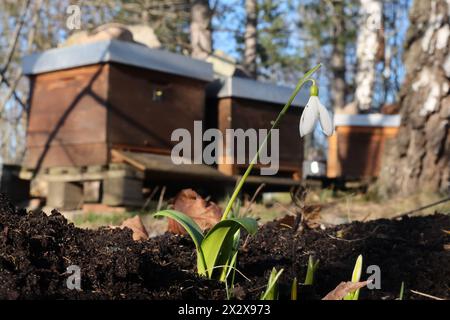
x: 120, y: 52
x: 237, y: 87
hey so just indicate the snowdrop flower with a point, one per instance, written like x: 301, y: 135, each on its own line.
x: 314, y: 111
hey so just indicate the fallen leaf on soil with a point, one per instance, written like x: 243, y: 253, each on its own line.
x: 344, y: 288
x: 287, y: 220
x: 205, y: 214
x: 136, y: 225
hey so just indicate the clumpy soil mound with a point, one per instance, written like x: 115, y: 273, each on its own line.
x: 410, y: 250
x: 36, y: 249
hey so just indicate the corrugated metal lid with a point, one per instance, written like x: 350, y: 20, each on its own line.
x: 120, y: 52
x: 367, y: 120
x: 236, y: 87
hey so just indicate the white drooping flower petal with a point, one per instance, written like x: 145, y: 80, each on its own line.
x: 325, y: 120
x: 309, y: 116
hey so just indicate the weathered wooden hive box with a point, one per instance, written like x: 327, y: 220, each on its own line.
x: 87, y: 99
x: 355, y: 150
x: 240, y: 103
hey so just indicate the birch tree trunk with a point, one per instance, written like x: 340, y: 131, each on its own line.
x: 419, y: 158
x: 201, y: 38
x: 368, y: 44
x: 250, y: 41
x: 338, y: 86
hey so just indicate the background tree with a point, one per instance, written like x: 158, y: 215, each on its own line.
x: 12, y: 98
x: 269, y: 50
x: 251, y: 37
x: 337, y: 63
x: 370, y: 50
x: 328, y: 30
x: 390, y: 70
x: 419, y: 158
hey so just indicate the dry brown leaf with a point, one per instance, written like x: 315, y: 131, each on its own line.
x: 205, y: 214
x: 312, y: 216
x: 345, y: 288
x: 136, y: 225
x: 287, y: 220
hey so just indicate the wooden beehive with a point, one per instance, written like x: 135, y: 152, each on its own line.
x: 86, y: 100
x: 356, y: 148
x: 240, y: 103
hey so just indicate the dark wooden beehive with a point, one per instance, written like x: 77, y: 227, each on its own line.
x: 86, y: 100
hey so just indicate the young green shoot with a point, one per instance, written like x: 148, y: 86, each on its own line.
x: 218, y: 246
x: 271, y: 292
x: 312, y: 267
x: 294, y: 289
x: 356, y: 276
x: 402, y: 291
x: 233, y: 263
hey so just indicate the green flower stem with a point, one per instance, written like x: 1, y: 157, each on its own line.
x: 275, y: 124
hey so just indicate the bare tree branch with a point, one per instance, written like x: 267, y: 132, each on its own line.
x: 14, y: 40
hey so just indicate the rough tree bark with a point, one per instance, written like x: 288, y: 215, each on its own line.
x: 368, y: 44
x: 419, y: 158
x: 250, y: 37
x: 338, y: 86
x: 201, y: 39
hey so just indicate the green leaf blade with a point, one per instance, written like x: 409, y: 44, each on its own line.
x: 186, y: 222
x: 249, y: 224
x: 218, y: 244
x: 192, y: 229
x: 217, y: 247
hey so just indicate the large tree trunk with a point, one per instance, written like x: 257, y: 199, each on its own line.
x: 250, y: 37
x: 201, y: 39
x: 338, y: 86
x: 368, y: 44
x: 419, y: 158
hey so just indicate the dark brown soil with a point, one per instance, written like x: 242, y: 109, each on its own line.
x: 36, y: 249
